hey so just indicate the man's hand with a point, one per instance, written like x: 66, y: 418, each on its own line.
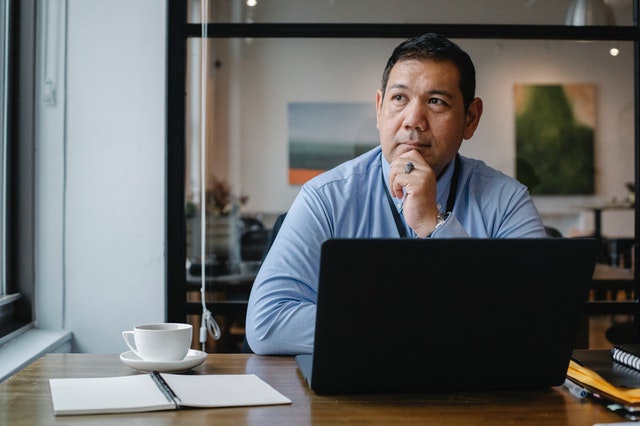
x: 419, y: 190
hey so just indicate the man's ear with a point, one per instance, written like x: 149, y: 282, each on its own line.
x: 378, y: 107
x: 472, y: 119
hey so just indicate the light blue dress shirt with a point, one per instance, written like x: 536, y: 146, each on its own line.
x: 349, y: 201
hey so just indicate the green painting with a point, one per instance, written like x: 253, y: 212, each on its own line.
x: 555, y: 126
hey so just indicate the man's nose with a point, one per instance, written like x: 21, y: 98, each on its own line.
x: 416, y: 117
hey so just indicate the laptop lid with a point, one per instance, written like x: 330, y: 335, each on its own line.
x: 406, y: 315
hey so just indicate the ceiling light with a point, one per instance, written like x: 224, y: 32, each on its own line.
x: 589, y: 12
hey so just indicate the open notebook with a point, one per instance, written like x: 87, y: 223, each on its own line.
x: 159, y: 391
x: 404, y: 315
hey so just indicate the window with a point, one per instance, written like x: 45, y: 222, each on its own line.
x: 4, y: 43
x: 17, y: 35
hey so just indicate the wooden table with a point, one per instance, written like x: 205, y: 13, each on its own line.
x: 609, y: 279
x: 598, y: 208
x: 25, y: 399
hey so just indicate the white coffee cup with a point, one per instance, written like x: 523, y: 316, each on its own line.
x: 159, y: 342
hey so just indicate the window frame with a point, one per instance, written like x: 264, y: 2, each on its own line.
x: 179, y: 30
x: 18, y: 273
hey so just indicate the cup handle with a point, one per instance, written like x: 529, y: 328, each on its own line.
x: 128, y: 339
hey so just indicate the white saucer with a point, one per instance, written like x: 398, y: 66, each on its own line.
x: 193, y: 359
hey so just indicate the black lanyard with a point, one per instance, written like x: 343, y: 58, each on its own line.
x: 451, y: 199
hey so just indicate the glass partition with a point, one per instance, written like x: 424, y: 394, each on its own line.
x: 256, y: 84
x: 263, y: 68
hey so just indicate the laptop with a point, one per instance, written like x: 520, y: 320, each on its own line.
x: 411, y: 315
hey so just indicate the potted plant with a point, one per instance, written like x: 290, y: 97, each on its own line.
x: 222, y: 235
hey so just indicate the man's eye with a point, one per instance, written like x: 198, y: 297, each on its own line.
x: 436, y: 101
x: 397, y: 97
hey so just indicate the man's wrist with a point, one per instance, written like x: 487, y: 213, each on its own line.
x: 440, y: 220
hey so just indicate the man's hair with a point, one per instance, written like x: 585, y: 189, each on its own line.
x: 435, y: 47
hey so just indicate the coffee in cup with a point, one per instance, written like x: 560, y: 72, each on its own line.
x: 160, y: 341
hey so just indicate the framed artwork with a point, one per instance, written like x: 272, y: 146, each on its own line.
x: 325, y: 134
x: 555, y: 127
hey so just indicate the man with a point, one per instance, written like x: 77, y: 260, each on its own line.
x: 414, y: 185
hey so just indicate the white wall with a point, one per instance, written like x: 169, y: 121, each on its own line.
x: 101, y: 189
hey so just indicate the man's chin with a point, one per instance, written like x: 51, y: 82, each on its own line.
x: 423, y: 150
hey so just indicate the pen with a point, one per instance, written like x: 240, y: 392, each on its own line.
x: 576, y: 390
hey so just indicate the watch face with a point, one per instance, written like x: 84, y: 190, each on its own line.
x: 440, y: 219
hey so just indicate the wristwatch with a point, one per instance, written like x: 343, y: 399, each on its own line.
x: 440, y: 219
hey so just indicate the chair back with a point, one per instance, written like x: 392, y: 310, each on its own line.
x: 272, y: 236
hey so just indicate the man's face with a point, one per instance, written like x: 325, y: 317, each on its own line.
x: 423, y: 110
